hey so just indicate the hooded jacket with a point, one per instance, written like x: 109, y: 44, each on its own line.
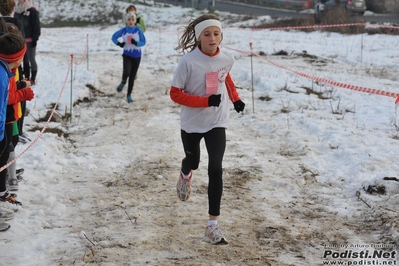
x: 5, y: 76
x: 29, y: 16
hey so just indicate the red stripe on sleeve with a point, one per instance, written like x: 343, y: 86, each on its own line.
x: 180, y: 97
x: 231, y: 89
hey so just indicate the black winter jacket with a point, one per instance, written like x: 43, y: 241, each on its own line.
x: 31, y: 21
x: 17, y: 22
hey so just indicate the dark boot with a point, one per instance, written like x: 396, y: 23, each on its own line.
x: 33, y: 77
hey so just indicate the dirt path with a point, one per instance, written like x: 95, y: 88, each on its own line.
x: 135, y: 218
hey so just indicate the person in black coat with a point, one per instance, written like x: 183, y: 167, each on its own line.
x: 28, y: 14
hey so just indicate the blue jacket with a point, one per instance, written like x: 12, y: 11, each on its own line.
x: 127, y: 33
x: 5, y: 76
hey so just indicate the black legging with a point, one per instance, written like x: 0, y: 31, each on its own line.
x: 215, y: 142
x: 5, y: 152
x: 30, y: 64
x: 130, y: 67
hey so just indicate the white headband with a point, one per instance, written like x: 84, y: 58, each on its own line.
x: 205, y: 24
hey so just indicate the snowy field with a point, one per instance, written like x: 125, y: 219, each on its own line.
x: 309, y: 167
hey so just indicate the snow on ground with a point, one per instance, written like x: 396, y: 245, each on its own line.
x: 303, y: 167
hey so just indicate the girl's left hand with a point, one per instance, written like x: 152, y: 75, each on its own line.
x: 239, y: 106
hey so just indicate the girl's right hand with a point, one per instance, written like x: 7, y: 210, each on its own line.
x: 214, y: 100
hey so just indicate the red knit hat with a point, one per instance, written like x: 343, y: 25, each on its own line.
x: 10, y: 58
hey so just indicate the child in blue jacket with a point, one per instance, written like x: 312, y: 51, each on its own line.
x: 12, y: 51
x: 132, y: 38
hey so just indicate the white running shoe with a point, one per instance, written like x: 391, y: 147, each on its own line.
x: 13, y: 184
x: 6, y: 215
x: 214, y: 236
x: 20, y: 171
x: 4, y: 226
x: 183, y: 187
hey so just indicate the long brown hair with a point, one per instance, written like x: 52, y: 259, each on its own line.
x: 187, y: 41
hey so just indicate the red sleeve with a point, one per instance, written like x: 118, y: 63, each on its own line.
x: 14, y: 95
x: 179, y: 96
x: 231, y: 89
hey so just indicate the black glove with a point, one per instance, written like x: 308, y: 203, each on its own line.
x: 214, y: 100
x: 134, y: 41
x: 239, y: 106
x: 121, y: 44
x: 34, y: 43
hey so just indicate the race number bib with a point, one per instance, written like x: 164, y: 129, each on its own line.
x: 211, y: 83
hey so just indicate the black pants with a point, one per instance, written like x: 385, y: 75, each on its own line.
x: 21, y: 119
x: 5, y: 152
x: 130, y: 67
x: 215, y: 142
x: 29, y: 62
x: 23, y: 104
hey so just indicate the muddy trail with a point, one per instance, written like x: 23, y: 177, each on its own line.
x: 135, y: 217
